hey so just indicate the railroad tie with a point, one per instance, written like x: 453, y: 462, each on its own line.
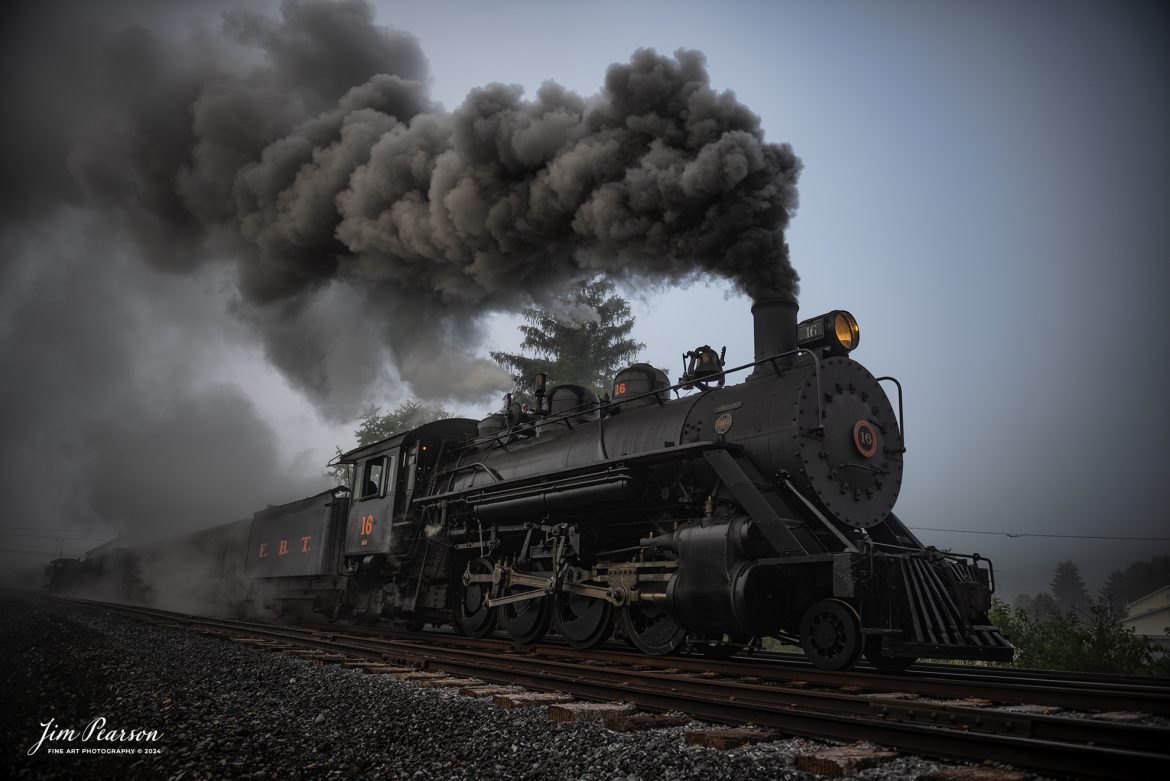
x: 448, y: 683
x: 376, y: 668
x: 530, y: 700
x: 842, y: 761
x: 589, y: 711
x: 733, y: 737
x: 258, y: 642
x: 891, y: 696
x: 417, y: 676
x: 1121, y: 717
x: 317, y: 657
x: 489, y: 690
x: 640, y: 722
x: 974, y: 773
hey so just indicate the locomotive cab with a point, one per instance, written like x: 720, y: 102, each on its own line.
x: 384, y: 536
x: 386, y: 476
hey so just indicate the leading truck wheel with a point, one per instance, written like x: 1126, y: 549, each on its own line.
x: 830, y: 634
x: 471, y: 617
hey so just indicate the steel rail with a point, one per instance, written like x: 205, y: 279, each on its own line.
x: 1078, y: 694
x: 1052, y: 744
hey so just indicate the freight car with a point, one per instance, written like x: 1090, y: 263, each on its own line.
x: 202, y: 572
x: 60, y: 574
x: 208, y: 571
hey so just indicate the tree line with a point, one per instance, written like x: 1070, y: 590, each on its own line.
x: 1066, y: 629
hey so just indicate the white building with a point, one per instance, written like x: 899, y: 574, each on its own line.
x: 1150, y: 615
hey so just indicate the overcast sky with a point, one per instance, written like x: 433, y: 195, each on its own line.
x: 984, y: 187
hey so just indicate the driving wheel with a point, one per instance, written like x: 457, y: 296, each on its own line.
x: 651, y: 628
x: 471, y: 617
x: 584, y: 622
x: 527, y: 621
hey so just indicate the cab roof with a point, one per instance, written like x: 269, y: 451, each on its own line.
x: 446, y: 426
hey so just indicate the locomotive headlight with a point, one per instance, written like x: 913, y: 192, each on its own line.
x: 848, y: 334
x: 837, y: 331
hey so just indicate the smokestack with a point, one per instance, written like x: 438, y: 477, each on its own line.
x: 775, y: 329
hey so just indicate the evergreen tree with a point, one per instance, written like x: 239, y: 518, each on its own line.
x: 374, y: 428
x: 583, y: 338
x: 407, y: 415
x: 1068, y: 589
x: 1023, y: 602
x: 1135, y: 581
x: 1043, y: 606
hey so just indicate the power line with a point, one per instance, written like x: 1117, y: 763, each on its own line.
x: 55, y: 530
x: 51, y: 554
x: 61, y: 536
x: 1030, y: 534
x: 999, y: 570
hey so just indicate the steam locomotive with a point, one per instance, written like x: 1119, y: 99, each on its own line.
x: 703, y: 515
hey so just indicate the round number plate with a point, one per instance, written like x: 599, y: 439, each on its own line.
x: 865, y: 438
x: 723, y: 423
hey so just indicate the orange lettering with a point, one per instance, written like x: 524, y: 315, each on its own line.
x: 263, y: 548
x: 367, y: 524
x: 283, y: 548
x: 305, y: 544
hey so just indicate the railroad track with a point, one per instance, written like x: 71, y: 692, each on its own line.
x: 929, y: 714
x: 1022, y: 687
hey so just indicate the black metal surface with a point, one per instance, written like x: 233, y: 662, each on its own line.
x: 763, y: 509
x: 294, y: 539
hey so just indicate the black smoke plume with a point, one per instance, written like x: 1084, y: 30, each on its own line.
x: 181, y: 185
x: 304, y: 148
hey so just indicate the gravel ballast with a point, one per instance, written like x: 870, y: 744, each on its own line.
x: 226, y: 711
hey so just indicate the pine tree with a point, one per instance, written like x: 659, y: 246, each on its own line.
x: 407, y: 415
x: 1135, y: 581
x: 583, y: 339
x: 1043, y: 606
x: 1068, y: 589
x: 374, y: 428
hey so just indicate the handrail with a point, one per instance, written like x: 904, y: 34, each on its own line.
x: 493, y: 474
x: 901, y: 415
x: 522, y: 428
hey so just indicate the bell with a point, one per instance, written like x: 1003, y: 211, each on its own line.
x: 706, y: 363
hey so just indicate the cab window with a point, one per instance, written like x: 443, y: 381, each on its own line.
x: 371, y: 481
